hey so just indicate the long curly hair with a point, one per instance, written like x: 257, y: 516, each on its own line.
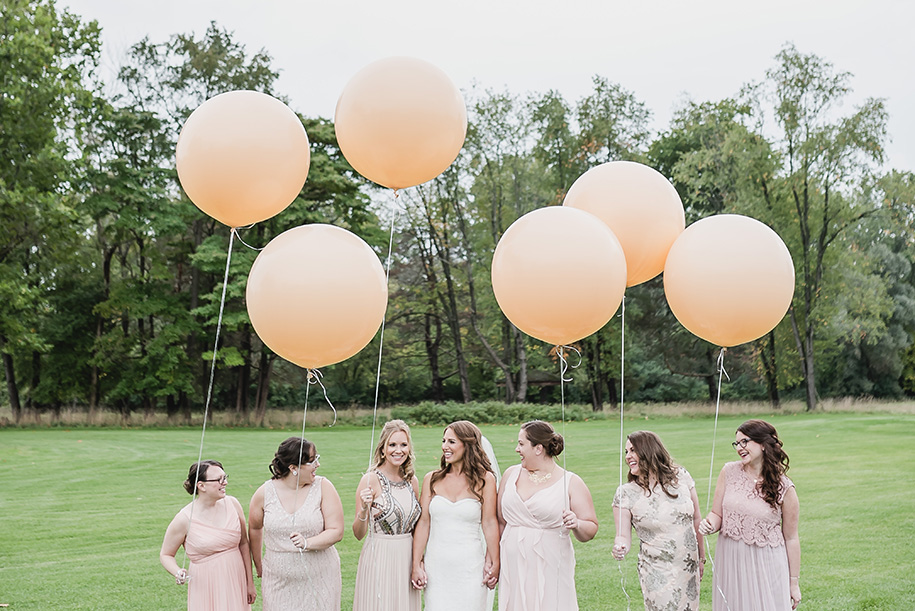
x: 654, y: 460
x: 774, y: 458
x: 475, y: 462
x: 408, y: 468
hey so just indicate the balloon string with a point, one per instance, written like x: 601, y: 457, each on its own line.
x: 206, y: 408
x: 708, y: 548
x: 387, y: 278
x: 242, y: 241
x: 619, y: 565
x: 314, y: 377
x: 564, y: 366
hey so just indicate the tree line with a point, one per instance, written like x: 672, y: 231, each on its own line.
x: 110, y: 279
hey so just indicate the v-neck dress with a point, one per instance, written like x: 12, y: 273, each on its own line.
x: 292, y: 579
x: 537, y: 558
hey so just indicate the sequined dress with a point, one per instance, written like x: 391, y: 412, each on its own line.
x: 295, y: 580
x: 386, y: 561
x: 668, y: 548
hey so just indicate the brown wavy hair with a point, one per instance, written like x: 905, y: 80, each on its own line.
x: 654, y: 459
x: 775, y: 460
x: 475, y: 462
x: 408, y: 468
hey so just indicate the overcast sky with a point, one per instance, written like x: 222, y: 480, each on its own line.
x: 662, y: 51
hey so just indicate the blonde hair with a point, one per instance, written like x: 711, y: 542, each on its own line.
x: 408, y: 468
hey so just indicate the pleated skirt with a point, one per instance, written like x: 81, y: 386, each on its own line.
x: 383, y: 576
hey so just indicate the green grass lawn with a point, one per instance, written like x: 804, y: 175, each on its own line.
x: 83, y: 511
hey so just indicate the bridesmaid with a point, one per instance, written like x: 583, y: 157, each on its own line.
x: 212, y: 530
x: 660, y: 501
x: 539, y: 505
x: 387, y: 504
x: 298, y: 517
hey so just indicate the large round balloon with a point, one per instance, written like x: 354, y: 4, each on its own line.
x: 559, y: 274
x: 242, y: 157
x: 729, y: 279
x: 641, y: 207
x: 400, y: 122
x: 316, y: 295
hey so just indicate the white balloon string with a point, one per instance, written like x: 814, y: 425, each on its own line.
x: 295, y: 500
x: 314, y: 377
x: 619, y: 565
x: 708, y: 549
x: 206, y: 407
x: 387, y: 278
x: 245, y: 243
x: 563, y: 368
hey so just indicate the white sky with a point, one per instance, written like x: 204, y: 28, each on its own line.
x: 662, y: 51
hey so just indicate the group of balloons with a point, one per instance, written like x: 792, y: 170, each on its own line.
x: 317, y: 294
x: 559, y: 273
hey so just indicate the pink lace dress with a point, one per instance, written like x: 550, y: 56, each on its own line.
x: 751, y: 562
x: 217, y: 569
x: 668, y: 549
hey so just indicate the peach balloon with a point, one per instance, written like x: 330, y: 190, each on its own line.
x: 316, y: 295
x: 641, y: 207
x: 242, y: 157
x: 729, y: 279
x: 400, y: 122
x: 559, y: 274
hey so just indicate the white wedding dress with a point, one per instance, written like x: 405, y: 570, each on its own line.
x: 454, y: 557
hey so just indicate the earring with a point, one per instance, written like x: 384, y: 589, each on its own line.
x: 295, y: 472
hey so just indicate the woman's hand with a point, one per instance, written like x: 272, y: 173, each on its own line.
x: 418, y: 579
x: 795, y: 594
x: 252, y: 594
x: 299, y: 541
x: 490, y: 573
x: 366, y: 495
x: 569, y: 519
x: 181, y: 577
x: 711, y: 524
x: 620, y: 548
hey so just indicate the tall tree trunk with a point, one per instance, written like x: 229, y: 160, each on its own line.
x: 432, y: 342
x: 710, y: 379
x: 770, y: 368
x: 805, y: 349
x: 595, y: 384
x: 244, y: 375
x: 521, y: 351
x: 12, y: 389
x: 263, y: 386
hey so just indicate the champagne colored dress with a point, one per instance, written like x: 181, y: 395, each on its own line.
x: 537, y: 558
x: 293, y: 579
x: 217, y: 569
x: 668, y: 548
x: 386, y: 561
x: 751, y: 561
x: 454, y: 557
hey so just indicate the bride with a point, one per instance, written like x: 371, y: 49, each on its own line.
x: 451, y: 562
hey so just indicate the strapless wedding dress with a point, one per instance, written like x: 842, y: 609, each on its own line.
x: 454, y: 557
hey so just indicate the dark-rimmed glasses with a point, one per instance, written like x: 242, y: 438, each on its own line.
x: 742, y: 443
x: 221, y: 480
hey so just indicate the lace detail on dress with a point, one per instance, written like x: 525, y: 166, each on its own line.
x: 747, y: 516
x: 393, y: 517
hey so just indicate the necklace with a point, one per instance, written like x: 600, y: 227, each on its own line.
x: 538, y: 479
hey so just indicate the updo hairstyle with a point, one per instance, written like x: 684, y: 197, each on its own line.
x: 193, y: 476
x: 541, y: 433
x: 293, y: 452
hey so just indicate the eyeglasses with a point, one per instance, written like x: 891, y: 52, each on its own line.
x: 221, y: 480
x: 742, y: 443
x: 313, y: 461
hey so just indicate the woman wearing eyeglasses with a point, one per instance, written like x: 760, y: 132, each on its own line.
x: 758, y: 557
x: 212, y: 530
x: 297, y: 517
x: 660, y: 501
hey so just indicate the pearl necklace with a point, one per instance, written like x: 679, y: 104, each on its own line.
x: 539, y: 479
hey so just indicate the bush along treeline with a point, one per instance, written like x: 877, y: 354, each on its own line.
x: 110, y: 279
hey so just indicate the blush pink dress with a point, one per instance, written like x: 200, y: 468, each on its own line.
x: 217, y: 569
x: 751, y: 562
x: 537, y: 559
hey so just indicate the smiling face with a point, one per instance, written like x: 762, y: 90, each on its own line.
x: 452, y: 448
x: 748, y: 450
x: 526, y: 450
x: 632, y: 459
x: 397, y: 449
x: 213, y: 483
x: 309, y: 466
